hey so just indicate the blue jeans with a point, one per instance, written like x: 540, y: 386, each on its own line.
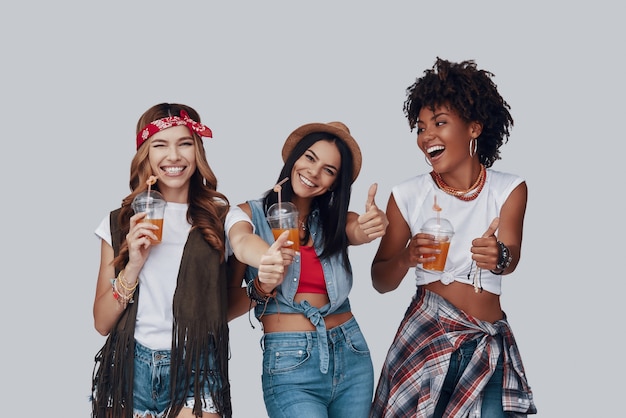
x: 151, y: 384
x: 294, y: 386
x: 492, y: 394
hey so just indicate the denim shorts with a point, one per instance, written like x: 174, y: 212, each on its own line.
x: 151, y: 387
x: 293, y: 384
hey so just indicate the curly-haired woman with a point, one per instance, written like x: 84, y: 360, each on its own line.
x: 454, y: 354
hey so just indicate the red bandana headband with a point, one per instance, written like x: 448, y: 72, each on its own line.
x: 168, y: 122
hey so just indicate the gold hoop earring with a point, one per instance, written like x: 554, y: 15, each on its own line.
x: 473, y: 146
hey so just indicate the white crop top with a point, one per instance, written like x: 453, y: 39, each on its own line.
x: 415, y: 198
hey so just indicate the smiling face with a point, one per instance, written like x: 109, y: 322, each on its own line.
x: 316, y: 170
x: 173, y: 160
x: 445, y: 138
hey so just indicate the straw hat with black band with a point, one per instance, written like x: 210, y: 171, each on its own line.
x: 338, y: 129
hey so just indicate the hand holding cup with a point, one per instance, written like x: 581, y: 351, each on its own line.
x: 442, y: 231
x: 152, y: 203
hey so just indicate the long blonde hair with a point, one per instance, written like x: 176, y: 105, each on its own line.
x: 207, y: 207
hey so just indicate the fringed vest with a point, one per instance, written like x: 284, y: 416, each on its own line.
x: 200, y: 330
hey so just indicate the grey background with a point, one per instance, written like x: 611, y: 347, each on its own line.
x: 75, y: 76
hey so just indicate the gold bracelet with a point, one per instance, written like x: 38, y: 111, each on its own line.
x: 122, y: 282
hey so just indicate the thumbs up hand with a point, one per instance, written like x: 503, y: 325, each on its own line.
x: 373, y: 222
x: 273, y: 262
x: 485, y: 249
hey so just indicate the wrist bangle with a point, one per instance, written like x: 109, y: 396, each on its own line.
x: 504, y: 258
x: 122, y: 298
x: 259, y: 289
x: 121, y: 279
x: 253, y: 294
x: 256, y: 293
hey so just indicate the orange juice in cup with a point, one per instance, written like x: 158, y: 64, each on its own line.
x: 153, y: 204
x: 440, y: 259
x: 157, y: 232
x: 283, y: 216
x: 294, y: 236
x: 443, y: 231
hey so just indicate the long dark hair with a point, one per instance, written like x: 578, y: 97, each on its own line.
x: 332, y: 205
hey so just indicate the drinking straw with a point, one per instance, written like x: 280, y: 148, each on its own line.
x: 277, y: 189
x: 437, y: 209
x: 151, y: 180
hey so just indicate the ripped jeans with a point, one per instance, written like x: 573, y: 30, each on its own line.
x: 151, y: 388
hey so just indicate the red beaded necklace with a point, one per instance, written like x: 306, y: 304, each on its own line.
x: 466, y: 195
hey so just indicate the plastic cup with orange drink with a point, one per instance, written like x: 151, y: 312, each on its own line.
x: 153, y: 204
x: 283, y: 216
x: 443, y: 232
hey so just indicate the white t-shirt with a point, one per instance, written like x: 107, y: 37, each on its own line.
x: 159, y: 274
x: 236, y: 214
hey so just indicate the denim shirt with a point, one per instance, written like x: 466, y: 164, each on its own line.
x: 338, y: 281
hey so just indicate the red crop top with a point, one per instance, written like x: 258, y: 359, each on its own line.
x: 311, y: 273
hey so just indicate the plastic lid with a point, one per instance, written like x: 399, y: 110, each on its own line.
x: 142, y: 199
x: 438, y: 226
x: 285, y: 208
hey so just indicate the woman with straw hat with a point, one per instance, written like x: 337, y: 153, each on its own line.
x: 316, y: 361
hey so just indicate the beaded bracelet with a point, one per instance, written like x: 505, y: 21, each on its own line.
x: 252, y: 293
x: 504, y: 259
x: 116, y: 294
x: 256, y: 293
x: 122, y: 298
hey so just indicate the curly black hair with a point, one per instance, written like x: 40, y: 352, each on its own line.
x: 472, y: 94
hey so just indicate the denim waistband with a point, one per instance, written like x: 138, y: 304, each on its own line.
x: 154, y: 357
x: 322, y: 335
